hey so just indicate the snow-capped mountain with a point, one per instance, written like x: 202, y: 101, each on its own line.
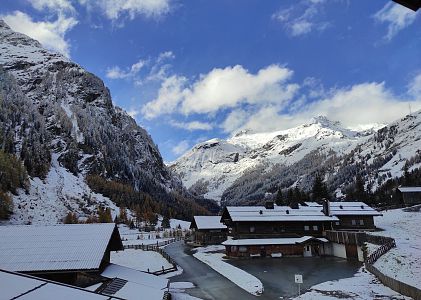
x: 211, y: 167
x: 244, y: 167
x: 60, y: 120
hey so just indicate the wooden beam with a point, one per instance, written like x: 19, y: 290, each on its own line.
x: 411, y: 4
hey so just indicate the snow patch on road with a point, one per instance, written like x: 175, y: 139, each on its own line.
x: 239, y: 277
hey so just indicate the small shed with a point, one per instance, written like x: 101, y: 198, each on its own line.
x: 69, y: 253
x: 208, y: 230
x: 411, y: 195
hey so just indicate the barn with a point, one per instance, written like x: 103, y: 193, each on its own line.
x: 410, y: 195
x: 75, y: 254
x: 208, y: 230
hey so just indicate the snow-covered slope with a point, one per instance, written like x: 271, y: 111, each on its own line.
x: 209, y: 168
x: 61, y: 121
x: 243, y: 168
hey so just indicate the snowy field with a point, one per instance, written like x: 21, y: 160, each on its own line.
x: 404, y: 261
x: 239, y: 277
x: 140, y: 260
x: 363, y: 286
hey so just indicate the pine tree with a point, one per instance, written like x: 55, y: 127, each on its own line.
x: 280, y: 198
x: 320, y: 190
x: 165, y: 222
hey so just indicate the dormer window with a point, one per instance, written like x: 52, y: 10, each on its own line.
x: 261, y: 212
x: 362, y: 206
x: 287, y: 212
x: 341, y: 207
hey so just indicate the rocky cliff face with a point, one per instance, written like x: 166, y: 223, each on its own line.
x: 56, y: 115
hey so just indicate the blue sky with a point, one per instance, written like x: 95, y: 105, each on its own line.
x: 188, y: 71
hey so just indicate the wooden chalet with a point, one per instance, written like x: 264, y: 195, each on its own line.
x: 75, y: 254
x: 272, y: 230
x: 356, y: 216
x: 208, y: 230
x: 410, y: 195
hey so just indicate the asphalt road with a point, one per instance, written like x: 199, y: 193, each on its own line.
x: 210, y: 284
x: 277, y: 275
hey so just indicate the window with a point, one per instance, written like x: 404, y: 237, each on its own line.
x: 233, y: 248
x: 252, y: 229
x: 242, y: 249
x: 315, y: 227
x: 306, y: 228
x: 337, y: 223
x: 361, y: 222
x: 354, y: 222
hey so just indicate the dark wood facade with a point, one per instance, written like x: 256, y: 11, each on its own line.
x: 355, y: 222
x: 409, y: 197
x: 247, y: 230
x: 312, y: 248
x: 209, y: 236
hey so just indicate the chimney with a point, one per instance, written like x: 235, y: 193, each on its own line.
x: 269, y: 205
x: 326, y: 207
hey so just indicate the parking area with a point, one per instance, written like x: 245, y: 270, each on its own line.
x: 277, y: 274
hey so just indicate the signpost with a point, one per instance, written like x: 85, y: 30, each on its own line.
x: 299, y: 280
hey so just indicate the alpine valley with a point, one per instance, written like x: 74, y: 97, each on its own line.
x: 78, y: 150
x: 248, y: 167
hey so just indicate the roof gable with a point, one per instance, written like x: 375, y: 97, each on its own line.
x: 64, y: 247
x: 208, y: 222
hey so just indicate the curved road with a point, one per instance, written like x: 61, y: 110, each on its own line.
x: 275, y: 274
x: 210, y: 284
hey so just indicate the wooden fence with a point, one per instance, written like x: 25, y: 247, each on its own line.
x: 346, y: 237
x: 387, y: 243
x: 157, y: 248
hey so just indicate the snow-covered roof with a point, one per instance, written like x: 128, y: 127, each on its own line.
x: 135, y: 276
x: 31, y: 288
x: 278, y: 213
x: 138, y: 283
x: 345, y: 208
x: 67, y: 247
x: 209, y: 222
x: 274, y: 241
x: 410, y: 189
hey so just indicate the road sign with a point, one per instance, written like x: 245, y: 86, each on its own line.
x: 298, y: 278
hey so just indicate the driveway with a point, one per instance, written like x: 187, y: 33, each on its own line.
x: 277, y: 275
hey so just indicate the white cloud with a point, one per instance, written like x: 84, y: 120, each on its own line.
x: 117, y: 73
x: 222, y: 88
x: 181, y: 147
x: 302, y: 18
x: 115, y: 9
x: 414, y: 87
x: 361, y: 104
x: 194, y: 125
x: 169, y: 96
x: 396, y: 16
x: 52, y: 5
x: 49, y: 34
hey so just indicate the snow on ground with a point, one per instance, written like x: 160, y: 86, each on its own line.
x: 404, y: 261
x: 363, y: 286
x: 140, y: 260
x: 175, y: 223
x: 239, y: 277
x: 177, y: 290
x: 49, y: 200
